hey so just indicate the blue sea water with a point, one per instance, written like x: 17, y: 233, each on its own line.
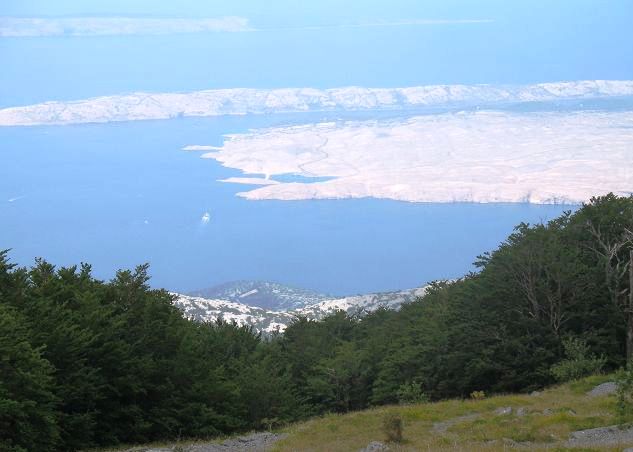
x: 116, y: 195
x: 119, y: 194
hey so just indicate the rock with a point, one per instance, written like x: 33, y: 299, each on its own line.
x: 535, y: 393
x: 610, y: 387
x: 602, y: 436
x: 503, y: 411
x: 512, y: 444
x: 375, y: 446
x: 521, y: 411
x: 548, y: 412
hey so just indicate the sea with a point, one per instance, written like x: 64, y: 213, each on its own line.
x: 117, y: 195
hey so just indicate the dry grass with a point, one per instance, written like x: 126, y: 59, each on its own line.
x: 470, y: 425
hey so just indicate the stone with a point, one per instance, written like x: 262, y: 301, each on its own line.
x: 604, y: 389
x: 601, y: 436
x: 375, y: 446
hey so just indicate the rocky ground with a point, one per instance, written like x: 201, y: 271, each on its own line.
x: 254, y: 442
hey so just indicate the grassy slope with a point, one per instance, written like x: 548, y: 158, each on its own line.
x: 433, y: 426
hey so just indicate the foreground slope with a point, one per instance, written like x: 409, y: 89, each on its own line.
x: 575, y: 416
x: 548, y: 420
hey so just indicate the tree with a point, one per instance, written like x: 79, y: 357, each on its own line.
x: 609, y: 221
x: 545, y: 267
x: 28, y: 417
x: 338, y: 382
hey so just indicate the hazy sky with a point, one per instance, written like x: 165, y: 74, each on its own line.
x: 323, y: 43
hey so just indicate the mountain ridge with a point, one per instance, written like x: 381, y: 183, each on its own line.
x: 268, y: 321
x: 261, y: 294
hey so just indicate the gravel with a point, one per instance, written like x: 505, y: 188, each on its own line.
x: 255, y: 442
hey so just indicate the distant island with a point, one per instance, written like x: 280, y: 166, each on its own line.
x: 242, y: 101
x: 480, y: 156
x: 444, y: 143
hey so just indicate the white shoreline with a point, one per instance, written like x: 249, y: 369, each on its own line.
x: 482, y: 157
x: 242, y: 101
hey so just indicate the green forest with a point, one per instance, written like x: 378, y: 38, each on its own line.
x: 86, y: 363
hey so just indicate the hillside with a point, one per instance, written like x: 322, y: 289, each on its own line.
x: 262, y: 294
x: 545, y: 420
x: 574, y: 416
x: 244, y: 302
x: 542, y: 421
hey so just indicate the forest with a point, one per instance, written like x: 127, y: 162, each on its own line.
x: 87, y: 363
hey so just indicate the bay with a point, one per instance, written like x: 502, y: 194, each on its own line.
x: 119, y: 194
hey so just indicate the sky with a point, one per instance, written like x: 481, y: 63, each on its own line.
x: 318, y: 44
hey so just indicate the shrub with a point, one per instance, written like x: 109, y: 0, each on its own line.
x: 578, y: 361
x: 270, y: 423
x: 624, y: 382
x: 392, y: 427
x: 411, y: 393
x: 477, y: 395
